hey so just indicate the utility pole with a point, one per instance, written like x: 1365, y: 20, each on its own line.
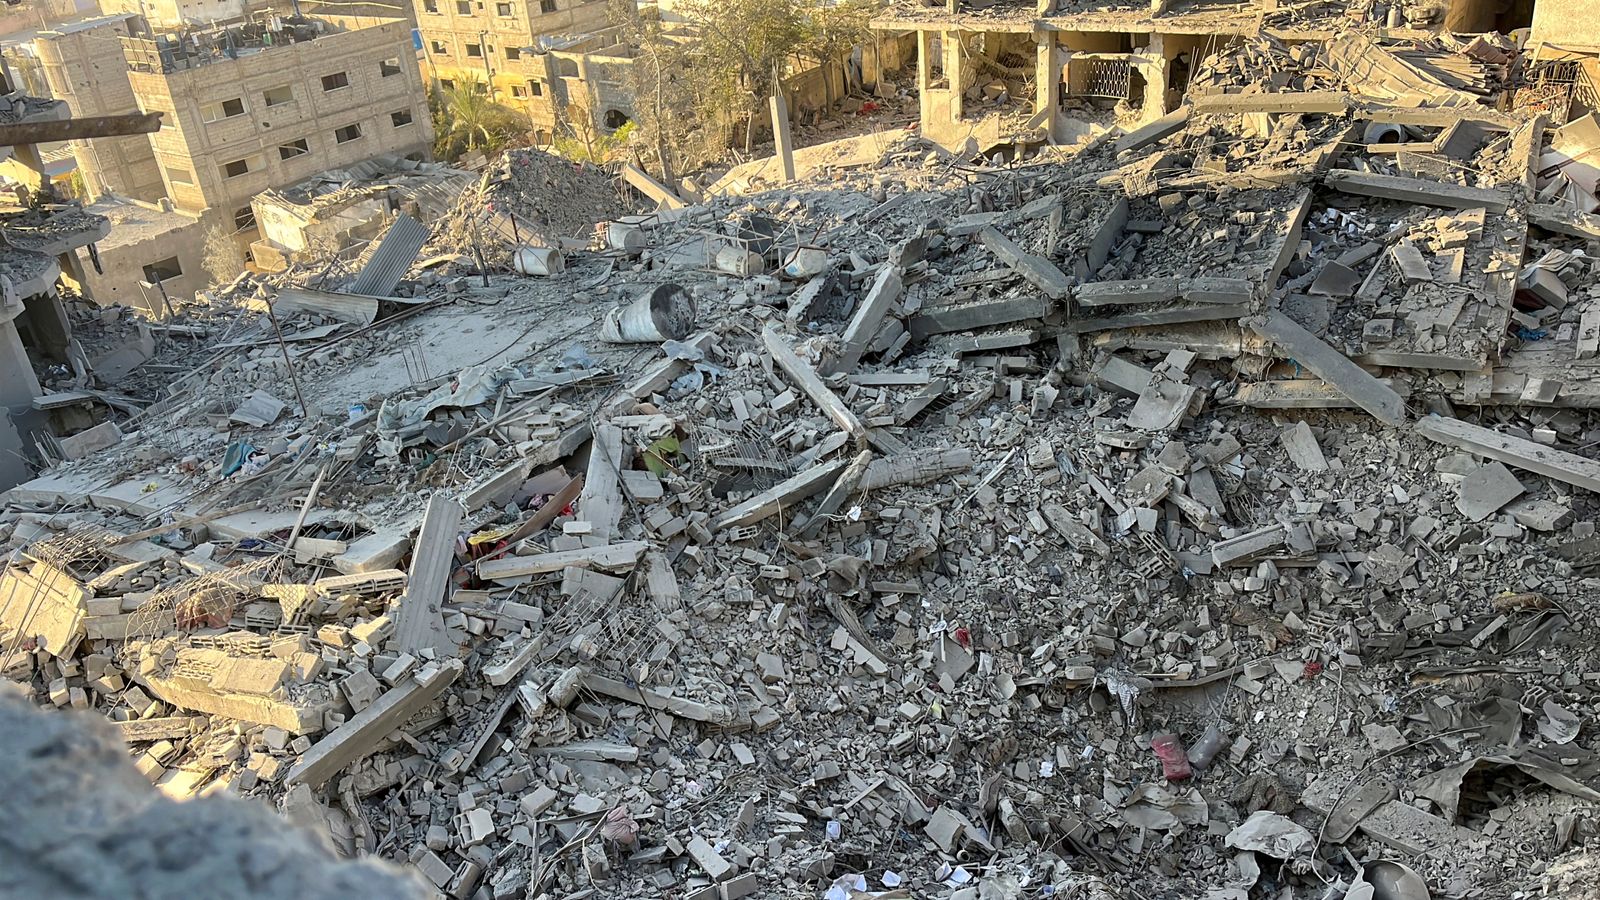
x: 305, y: 411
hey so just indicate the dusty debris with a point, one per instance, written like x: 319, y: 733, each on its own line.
x: 1209, y: 507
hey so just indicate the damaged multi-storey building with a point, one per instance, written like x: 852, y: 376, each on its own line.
x: 260, y: 104
x: 1059, y: 71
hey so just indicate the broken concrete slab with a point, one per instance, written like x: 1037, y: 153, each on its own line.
x: 1303, y: 449
x: 1331, y: 366
x: 1533, y: 457
x: 359, y: 736
x: 1486, y: 490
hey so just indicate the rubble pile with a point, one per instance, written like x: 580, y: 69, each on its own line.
x: 529, y: 198
x: 1210, y: 514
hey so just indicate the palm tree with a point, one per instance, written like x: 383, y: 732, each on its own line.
x: 473, y: 121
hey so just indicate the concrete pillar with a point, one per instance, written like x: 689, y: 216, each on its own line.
x: 954, y: 70
x: 783, y: 142
x: 1047, y: 87
x: 924, y: 60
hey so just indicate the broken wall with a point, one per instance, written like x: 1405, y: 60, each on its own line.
x: 1569, y: 23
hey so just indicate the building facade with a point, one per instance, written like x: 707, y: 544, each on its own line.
x: 239, y: 119
x: 506, y: 46
x: 82, y: 65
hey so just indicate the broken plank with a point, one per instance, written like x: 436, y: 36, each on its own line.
x: 1513, y: 451
x: 780, y: 496
x: 808, y: 381
x: 1331, y: 366
x: 612, y: 557
x: 362, y: 733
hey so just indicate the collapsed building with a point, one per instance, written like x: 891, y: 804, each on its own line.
x: 1059, y: 71
x: 1204, y: 511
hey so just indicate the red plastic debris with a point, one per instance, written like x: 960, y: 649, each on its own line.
x: 1174, y: 759
x: 964, y: 638
x: 1313, y: 669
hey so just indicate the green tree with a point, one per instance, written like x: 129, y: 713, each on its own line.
x: 741, y: 48
x: 465, y: 119
x: 831, y: 30
x: 580, y: 138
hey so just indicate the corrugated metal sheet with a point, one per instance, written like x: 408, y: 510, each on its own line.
x: 393, y: 257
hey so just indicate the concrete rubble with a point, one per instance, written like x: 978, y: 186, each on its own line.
x: 1207, y: 511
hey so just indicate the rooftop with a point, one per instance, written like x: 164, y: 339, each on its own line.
x: 133, y: 222
x: 174, y: 52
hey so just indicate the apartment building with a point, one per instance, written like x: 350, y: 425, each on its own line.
x: 502, y: 43
x: 82, y: 65
x: 247, y: 109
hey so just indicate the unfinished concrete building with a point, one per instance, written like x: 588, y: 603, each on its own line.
x: 1059, y: 71
x: 81, y: 64
x: 180, y: 13
x: 247, y: 108
x: 40, y: 235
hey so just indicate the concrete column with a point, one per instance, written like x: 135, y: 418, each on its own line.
x: 924, y: 60
x: 783, y: 142
x: 953, y: 70
x: 1047, y: 87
